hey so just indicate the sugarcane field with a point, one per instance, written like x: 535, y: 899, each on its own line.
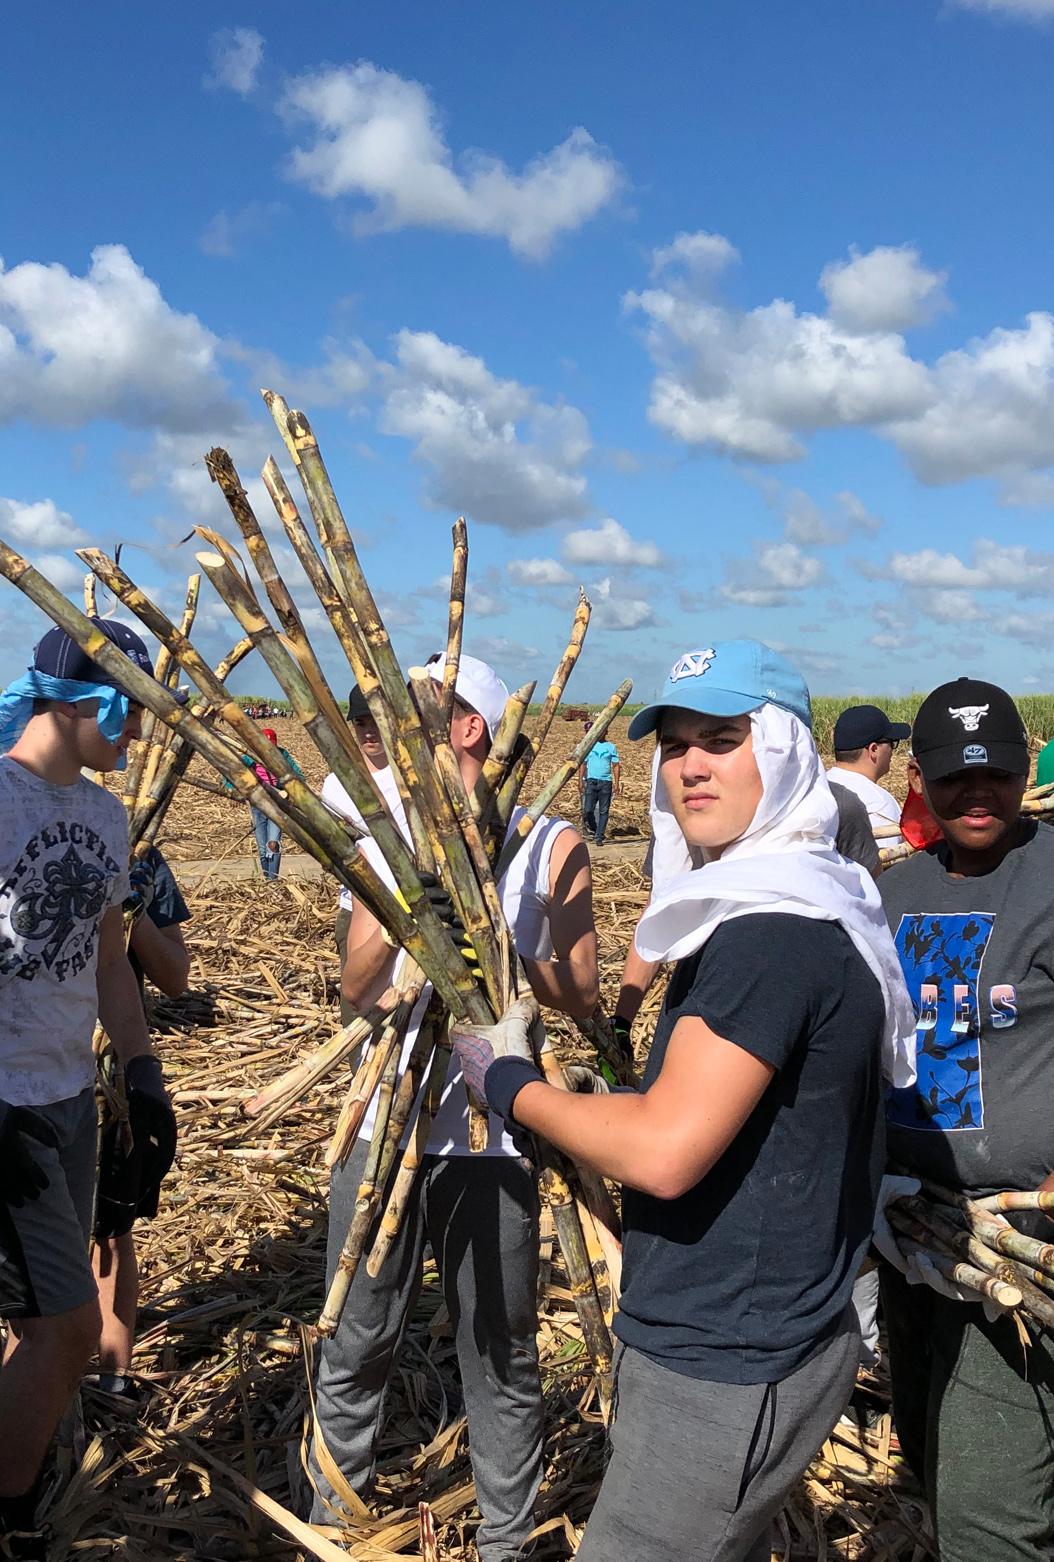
x: 527, y: 783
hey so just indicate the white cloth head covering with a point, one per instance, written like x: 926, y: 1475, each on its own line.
x: 786, y: 861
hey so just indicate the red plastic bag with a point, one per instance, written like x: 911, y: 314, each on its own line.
x: 917, y: 825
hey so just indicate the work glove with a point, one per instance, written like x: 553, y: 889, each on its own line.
x: 498, y: 1060
x: 620, y: 1030
x: 153, y: 1125
x: 22, y: 1177
x: 141, y: 877
x: 443, y: 907
x: 586, y: 1081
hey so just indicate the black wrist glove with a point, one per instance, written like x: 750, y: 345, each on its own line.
x: 443, y: 907
x: 153, y: 1125
x: 23, y: 1132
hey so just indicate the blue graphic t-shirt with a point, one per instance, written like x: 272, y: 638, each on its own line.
x: 978, y: 959
x: 599, y: 761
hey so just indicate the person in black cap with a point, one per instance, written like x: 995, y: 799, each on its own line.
x: 971, y: 919
x: 63, y: 965
x: 864, y: 741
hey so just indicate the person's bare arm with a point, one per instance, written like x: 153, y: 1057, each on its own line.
x: 120, y: 1009
x: 616, y: 775
x: 570, y: 981
x: 368, y: 960
x: 665, y: 1140
x: 163, y: 955
x: 637, y: 976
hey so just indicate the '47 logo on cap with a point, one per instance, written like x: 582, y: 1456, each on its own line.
x: 692, y: 664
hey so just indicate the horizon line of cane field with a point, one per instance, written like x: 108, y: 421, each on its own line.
x: 1037, y: 710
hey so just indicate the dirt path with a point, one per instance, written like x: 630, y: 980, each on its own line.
x: 298, y: 865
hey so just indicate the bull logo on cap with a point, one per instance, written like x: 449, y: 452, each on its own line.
x: 969, y: 715
x: 692, y: 664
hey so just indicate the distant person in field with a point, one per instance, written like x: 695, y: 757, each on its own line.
x: 268, y: 834
x: 338, y: 802
x: 1045, y: 765
x: 865, y: 741
x: 598, y: 787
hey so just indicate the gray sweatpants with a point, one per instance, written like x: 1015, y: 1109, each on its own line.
x: 974, y: 1411
x: 699, y: 1469
x: 481, y: 1217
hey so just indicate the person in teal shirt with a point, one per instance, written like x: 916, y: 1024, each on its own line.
x: 1045, y: 765
x: 598, y: 784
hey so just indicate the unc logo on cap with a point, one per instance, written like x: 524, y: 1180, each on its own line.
x: 975, y: 754
x: 692, y: 664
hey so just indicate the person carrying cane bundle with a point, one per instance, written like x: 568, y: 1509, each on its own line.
x: 479, y: 1211
x: 63, y: 965
x: 752, y: 1156
x: 973, y: 1401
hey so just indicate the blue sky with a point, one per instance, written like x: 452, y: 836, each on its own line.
x: 742, y: 316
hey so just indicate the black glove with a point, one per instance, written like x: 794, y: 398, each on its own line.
x: 621, y: 1032
x: 141, y: 877
x: 586, y: 1081
x: 22, y: 1177
x: 443, y: 907
x: 153, y: 1125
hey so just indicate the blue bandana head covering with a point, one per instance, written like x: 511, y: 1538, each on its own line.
x: 16, y: 705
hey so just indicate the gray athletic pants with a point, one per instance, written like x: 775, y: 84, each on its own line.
x: 480, y: 1215
x: 699, y: 1469
x: 974, y: 1411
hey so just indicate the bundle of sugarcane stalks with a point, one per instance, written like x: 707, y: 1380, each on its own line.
x: 972, y: 1245
x: 468, y: 842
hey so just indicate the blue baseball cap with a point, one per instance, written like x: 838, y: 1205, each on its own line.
x: 728, y: 678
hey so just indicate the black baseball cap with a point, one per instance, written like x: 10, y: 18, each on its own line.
x: 967, y: 723
x: 60, y: 657
x: 358, y: 705
x: 863, y: 724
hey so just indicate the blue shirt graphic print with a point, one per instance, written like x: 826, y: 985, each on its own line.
x: 941, y: 955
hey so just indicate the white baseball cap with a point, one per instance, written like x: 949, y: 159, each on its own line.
x: 477, y: 686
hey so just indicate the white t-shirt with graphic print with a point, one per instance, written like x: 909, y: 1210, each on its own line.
x: 63, y: 864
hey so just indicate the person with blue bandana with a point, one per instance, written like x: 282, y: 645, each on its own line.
x: 63, y: 966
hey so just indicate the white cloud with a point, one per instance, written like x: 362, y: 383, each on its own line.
x: 952, y: 607
x: 480, y: 601
x: 379, y: 137
x: 995, y: 567
x: 775, y: 570
x: 492, y: 448
x: 538, y: 572
x: 888, y: 289
x: 745, y: 382
x: 105, y: 345
x: 618, y: 612
x: 500, y: 649
x: 1026, y: 10
x: 992, y: 409
x: 609, y: 543
x: 857, y: 514
x: 230, y: 232
x: 66, y: 574
x: 40, y: 523
x: 750, y: 383
x: 1029, y: 491
x: 235, y: 56
x: 704, y: 254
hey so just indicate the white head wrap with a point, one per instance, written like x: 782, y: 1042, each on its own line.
x: 786, y: 861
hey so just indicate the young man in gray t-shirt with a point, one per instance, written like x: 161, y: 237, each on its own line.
x: 971, y: 919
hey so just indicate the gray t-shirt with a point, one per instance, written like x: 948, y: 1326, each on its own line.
x: 855, y: 838
x: 63, y: 864
x: 978, y: 960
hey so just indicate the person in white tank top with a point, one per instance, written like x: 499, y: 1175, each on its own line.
x: 479, y: 1212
